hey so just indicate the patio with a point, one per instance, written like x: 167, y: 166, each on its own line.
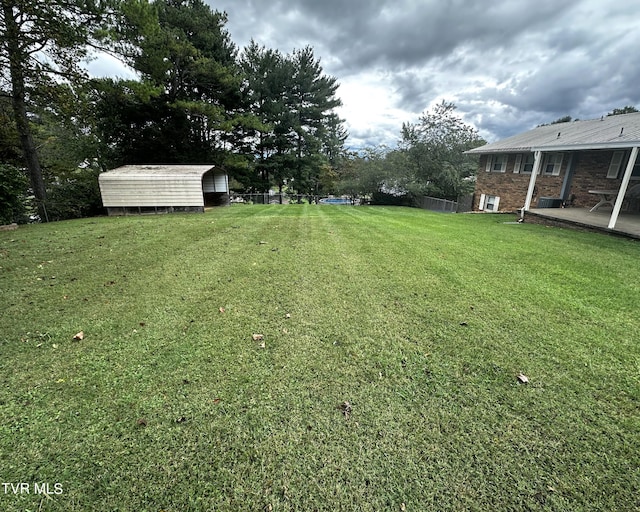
x: 628, y: 224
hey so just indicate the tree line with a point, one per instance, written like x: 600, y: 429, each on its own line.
x: 269, y: 119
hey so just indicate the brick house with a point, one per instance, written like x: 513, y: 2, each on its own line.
x: 564, y: 164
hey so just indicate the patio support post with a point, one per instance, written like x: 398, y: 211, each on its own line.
x: 537, y: 163
x: 623, y: 188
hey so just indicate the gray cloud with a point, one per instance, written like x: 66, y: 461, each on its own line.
x: 507, y: 64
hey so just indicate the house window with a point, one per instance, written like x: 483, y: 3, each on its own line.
x: 616, y: 163
x: 552, y: 164
x: 489, y: 203
x: 635, y: 174
x: 524, y: 163
x: 496, y: 163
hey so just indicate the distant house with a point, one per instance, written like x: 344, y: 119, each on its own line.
x: 590, y: 164
x: 162, y: 188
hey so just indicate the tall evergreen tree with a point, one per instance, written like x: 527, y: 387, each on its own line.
x: 312, y: 98
x: 188, y: 105
x: 266, y: 74
x: 295, y: 102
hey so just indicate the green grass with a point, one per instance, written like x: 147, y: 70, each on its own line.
x: 420, y: 321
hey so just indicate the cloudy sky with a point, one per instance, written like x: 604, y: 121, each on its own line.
x: 508, y: 65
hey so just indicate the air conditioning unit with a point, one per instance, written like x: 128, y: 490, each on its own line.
x: 550, y: 202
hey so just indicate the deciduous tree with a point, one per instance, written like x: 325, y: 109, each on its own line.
x: 44, y: 43
x: 433, y: 151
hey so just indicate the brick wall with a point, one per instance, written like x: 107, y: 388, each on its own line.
x: 590, y: 173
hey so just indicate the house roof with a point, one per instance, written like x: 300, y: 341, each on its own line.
x: 609, y: 132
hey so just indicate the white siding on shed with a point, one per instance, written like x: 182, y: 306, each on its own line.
x: 160, y: 185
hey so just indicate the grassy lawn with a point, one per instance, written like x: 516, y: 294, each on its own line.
x: 386, y: 378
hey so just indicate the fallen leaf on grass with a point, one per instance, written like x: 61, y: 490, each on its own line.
x: 142, y: 422
x: 260, y: 338
x: 216, y: 401
x: 345, y: 407
x: 79, y: 336
x: 222, y: 310
x: 523, y: 378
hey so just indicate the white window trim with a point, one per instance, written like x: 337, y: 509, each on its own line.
x: 635, y: 174
x: 482, y: 206
x: 616, y: 163
x: 557, y: 164
x: 521, y: 162
x: 492, y: 159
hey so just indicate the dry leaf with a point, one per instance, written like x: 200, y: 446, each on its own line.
x: 79, y: 336
x: 221, y: 310
x: 523, y: 378
x: 257, y: 337
x: 142, y: 422
x: 346, y: 409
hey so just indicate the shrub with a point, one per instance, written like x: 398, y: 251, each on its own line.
x: 74, y: 196
x: 13, y: 194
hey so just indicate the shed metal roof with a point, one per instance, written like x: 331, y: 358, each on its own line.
x: 151, y: 172
x: 609, y: 132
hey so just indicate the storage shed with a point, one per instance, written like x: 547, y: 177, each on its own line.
x: 162, y: 188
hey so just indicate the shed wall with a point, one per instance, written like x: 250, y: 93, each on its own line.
x: 151, y: 191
